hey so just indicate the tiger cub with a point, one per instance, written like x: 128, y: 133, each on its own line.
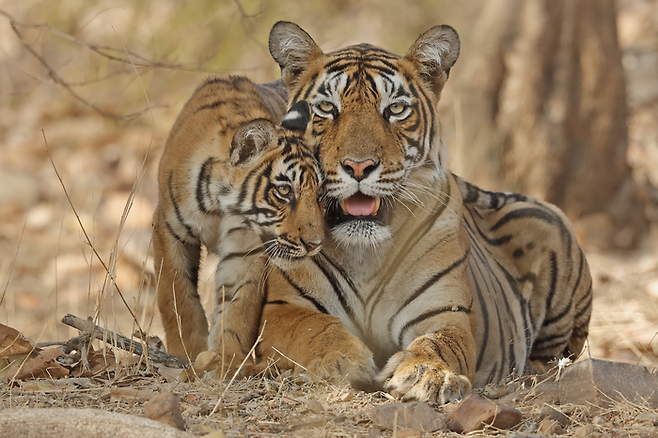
x: 229, y: 175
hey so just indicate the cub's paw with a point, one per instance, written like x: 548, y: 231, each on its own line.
x: 416, y: 376
x: 356, y: 367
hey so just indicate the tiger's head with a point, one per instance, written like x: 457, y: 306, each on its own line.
x: 374, y: 121
x: 273, y: 183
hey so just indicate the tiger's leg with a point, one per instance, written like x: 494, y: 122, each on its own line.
x: 297, y: 335
x: 177, y: 267
x: 438, y: 366
x: 565, y: 324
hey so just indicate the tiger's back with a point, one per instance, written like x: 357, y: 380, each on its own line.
x: 524, y: 262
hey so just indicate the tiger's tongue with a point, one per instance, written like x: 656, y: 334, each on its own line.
x: 360, y: 205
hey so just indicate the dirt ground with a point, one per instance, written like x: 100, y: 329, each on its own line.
x: 78, y: 188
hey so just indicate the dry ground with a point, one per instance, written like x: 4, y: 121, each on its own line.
x: 108, y: 172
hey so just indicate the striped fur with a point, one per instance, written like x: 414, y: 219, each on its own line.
x: 229, y: 180
x: 426, y: 280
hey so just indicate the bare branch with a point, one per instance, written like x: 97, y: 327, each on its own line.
x: 87, y: 326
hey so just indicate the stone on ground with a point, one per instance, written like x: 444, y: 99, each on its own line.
x: 165, y: 408
x: 415, y: 415
x: 602, y: 382
x: 80, y: 423
x: 476, y: 412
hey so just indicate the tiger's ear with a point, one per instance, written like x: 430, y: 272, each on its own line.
x: 434, y: 53
x: 250, y: 140
x: 293, y: 49
x: 298, y: 117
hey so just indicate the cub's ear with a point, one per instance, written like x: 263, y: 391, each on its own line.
x: 434, y: 53
x: 297, y: 117
x: 293, y: 49
x: 252, y: 138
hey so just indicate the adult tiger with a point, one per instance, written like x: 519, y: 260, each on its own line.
x: 444, y: 283
x: 228, y: 175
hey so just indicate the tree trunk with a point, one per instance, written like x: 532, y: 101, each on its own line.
x: 543, y: 104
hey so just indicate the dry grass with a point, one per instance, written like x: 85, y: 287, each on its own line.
x: 82, y: 246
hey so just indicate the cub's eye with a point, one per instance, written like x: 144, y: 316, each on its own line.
x: 325, y: 107
x: 397, y: 108
x: 283, y: 192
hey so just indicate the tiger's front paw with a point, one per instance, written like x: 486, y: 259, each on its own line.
x: 416, y: 376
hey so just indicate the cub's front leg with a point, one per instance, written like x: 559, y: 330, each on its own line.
x: 239, y: 293
x: 176, y: 268
x: 297, y: 334
x: 438, y: 366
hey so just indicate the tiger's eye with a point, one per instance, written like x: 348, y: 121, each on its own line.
x: 283, y: 190
x: 326, y: 107
x: 396, y: 108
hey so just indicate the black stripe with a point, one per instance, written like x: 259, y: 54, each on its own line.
x: 343, y: 274
x: 303, y: 293
x: 429, y: 283
x: 203, y: 181
x: 427, y: 315
x: 523, y: 213
x: 337, y: 288
x: 179, y: 215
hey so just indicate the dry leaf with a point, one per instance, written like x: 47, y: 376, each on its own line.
x: 12, y: 342
x: 41, y: 386
x: 130, y: 395
x: 43, y: 364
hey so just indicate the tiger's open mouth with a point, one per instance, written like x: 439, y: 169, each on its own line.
x: 358, y: 207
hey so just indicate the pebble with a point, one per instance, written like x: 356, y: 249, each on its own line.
x: 165, y: 408
x: 415, y: 415
x: 476, y: 412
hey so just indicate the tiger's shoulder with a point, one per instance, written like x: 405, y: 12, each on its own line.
x: 220, y: 105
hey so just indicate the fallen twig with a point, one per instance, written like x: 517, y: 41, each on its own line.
x: 120, y: 341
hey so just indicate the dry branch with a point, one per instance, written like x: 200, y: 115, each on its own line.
x: 120, y: 341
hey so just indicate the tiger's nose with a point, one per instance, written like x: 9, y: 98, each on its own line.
x: 359, y: 169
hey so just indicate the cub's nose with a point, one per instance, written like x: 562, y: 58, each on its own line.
x: 311, y: 245
x: 359, y: 169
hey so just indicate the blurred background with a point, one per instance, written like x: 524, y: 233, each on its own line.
x: 557, y: 99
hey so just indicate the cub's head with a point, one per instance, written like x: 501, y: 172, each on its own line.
x: 274, y: 182
x: 374, y: 123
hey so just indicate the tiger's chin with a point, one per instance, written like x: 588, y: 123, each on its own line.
x: 360, y: 222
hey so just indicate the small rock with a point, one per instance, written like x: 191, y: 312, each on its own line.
x: 476, y: 412
x: 647, y: 417
x: 550, y: 413
x: 315, y: 406
x: 599, y: 421
x: 165, y: 408
x: 374, y: 433
x: 415, y: 415
x: 407, y: 433
x: 515, y: 397
x: 550, y: 427
x: 204, y: 362
x: 584, y: 431
x: 546, y: 392
x: 600, y: 382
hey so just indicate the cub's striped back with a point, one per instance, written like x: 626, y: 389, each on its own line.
x: 245, y: 189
